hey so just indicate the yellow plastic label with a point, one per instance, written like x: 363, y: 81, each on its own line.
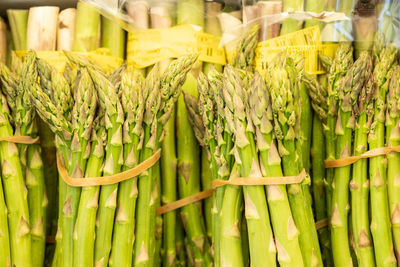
x: 312, y: 64
x: 59, y: 60
x: 308, y: 36
x: 146, y: 47
x: 306, y: 42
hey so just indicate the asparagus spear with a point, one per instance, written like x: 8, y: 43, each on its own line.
x: 31, y: 161
x: 160, y: 94
x: 382, y: 179
x: 114, y: 117
x: 342, y: 61
x: 359, y: 184
x: 133, y: 105
x: 165, y: 225
x: 256, y: 210
x: 13, y: 183
x: 188, y: 152
x: 5, y: 255
x: 285, y: 231
x: 88, y: 204
x: 350, y: 87
x: 283, y: 92
x: 72, y: 141
x: 318, y: 94
x: 392, y: 124
x: 211, y: 25
x: 51, y: 111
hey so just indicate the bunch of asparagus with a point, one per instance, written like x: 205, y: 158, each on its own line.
x: 104, y: 125
x: 23, y: 195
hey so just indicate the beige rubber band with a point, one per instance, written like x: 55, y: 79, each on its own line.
x: 184, y: 201
x: 369, y: 154
x: 21, y: 140
x: 107, y: 180
x: 322, y: 223
x: 232, y: 181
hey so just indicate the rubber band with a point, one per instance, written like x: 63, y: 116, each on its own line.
x: 279, y: 180
x: 107, y: 180
x: 322, y: 223
x: 342, y: 162
x: 184, y: 201
x: 27, y: 140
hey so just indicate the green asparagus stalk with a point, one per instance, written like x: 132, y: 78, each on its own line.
x: 291, y: 25
x: 18, y: 20
x: 86, y: 219
x: 13, y: 183
x: 188, y: 152
x: 342, y: 61
x: 179, y: 242
x: 359, y: 185
x: 285, y: 231
x: 165, y: 225
x: 223, y: 135
x: 133, y: 106
x: 114, y: 117
x: 282, y: 87
x: 160, y: 94
x: 82, y: 118
x: 349, y: 89
x: 31, y: 161
x: 72, y: 141
x: 211, y: 25
x: 318, y: 94
x: 382, y: 180
x: 112, y: 37
x: 392, y: 128
x: 86, y: 27
x: 261, y: 241
x: 62, y: 108
x: 5, y: 255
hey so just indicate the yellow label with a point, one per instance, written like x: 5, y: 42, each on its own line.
x: 308, y: 36
x: 312, y: 64
x: 147, y: 47
x: 58, y: 60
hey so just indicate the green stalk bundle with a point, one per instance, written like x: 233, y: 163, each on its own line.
x: 72, y: 129
x: 211, y: 25
x: 161, y: 91
x: 318, y: 92
x: 261, y: 244
x: 342, y: 61
x: 88, y: 204
x: 282, y: 75
x: 349, y: 89
x: 393, y: 139
x: 359, y: 185
x: 285, y: 232
x: 31, y: 161
x: 188, y: 151
x: 133, y: 106
x: 382, y: 178
x: 114, y: 117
